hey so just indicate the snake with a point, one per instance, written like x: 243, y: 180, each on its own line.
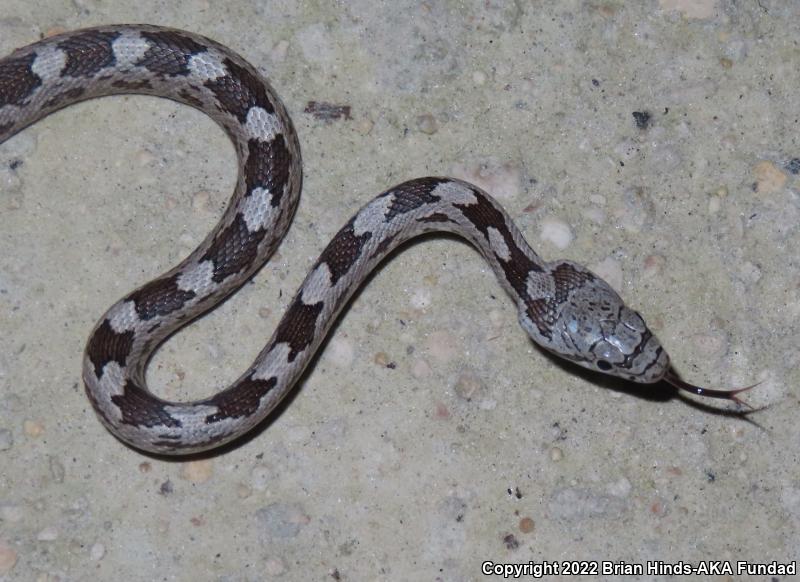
x: 564, y: 307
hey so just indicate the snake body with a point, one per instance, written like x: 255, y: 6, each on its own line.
x: 563, y: 306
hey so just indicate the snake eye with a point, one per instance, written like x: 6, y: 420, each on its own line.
x: 603, y: 365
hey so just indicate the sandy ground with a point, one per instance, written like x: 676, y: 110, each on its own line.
x: 654, y: 142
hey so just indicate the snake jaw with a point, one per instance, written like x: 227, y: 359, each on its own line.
x: 672, y: 378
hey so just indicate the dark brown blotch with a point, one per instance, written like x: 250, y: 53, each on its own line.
x: 140, y: 408
x: 187, y: 97
x: 484, y: 215
x: 17, y: 80
x: 169, y: 53
x: 383, y: 247
x: 298, y: 326
x: 240, y: 90
x: 412, y: 195
x: 160, y: 297
x: 568, y: 278
x: 267, y: 166
x: 106, y: 345
x: 436, y: 217
x: 234, y: 249
x: 239, y: 400
x: 518, y: 266
x: 544, y: 311
x: 65, y: 98
x: 343, y: 251
x: 126, y: 85
x: 88, y: 52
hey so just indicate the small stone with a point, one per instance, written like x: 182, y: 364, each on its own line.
x: 576, y: 503
x: 274, y: 567
x: 557, y: 232
x: 97, y: 552
x: 260, y: 477
x: 710, y: 345
x: 653, y: 266
x: 145, y: 158
x: 48, y: 534
x: 57, y: 470
x: 420, y: 368
x: 341, y: 352
x: 690, y: 8
x: 10, y: 181
x: 198, y: 471
x: 556, y: 454
x: 658, y: 507
x: 441, y: 412
x: 497, y: 318
x: 8, y: 557
x: 333, y: 429
x: 279, y: 50
x: 382, y: 359
x: 145, y: 467
x: 33, y: 428
x: 609, y: 269
x: 642, y: 119
x: 621, y: 488
x: 665, y: 159
x: 281, y: 520
x: 13, y: 200
x: 316, y: 43
x: 200, y: 201
x: 636, y: 210
x: 626, y: 150
x: 442, y: 346
x: 364, y: 126
x: 421, y: 298
x: 11, y: 513
x: 726, y: 63
x: 749, y: 272
x: 427, y: 124
x: 511, y: 542
x: 501, y: 180
x: 6, y: 439
x: 769, y: 178
x: 596, y: 215
x: 468, y: 386
x: 526, y: 525
x: 793, y: 166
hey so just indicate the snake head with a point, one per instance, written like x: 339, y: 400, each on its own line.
x: 573, y: 313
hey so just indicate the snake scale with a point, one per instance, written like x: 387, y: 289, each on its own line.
x: 564, y: 307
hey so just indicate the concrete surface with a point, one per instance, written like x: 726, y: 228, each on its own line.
x: 655, y: 142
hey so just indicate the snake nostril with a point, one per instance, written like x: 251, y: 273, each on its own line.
x: 603, y: 365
